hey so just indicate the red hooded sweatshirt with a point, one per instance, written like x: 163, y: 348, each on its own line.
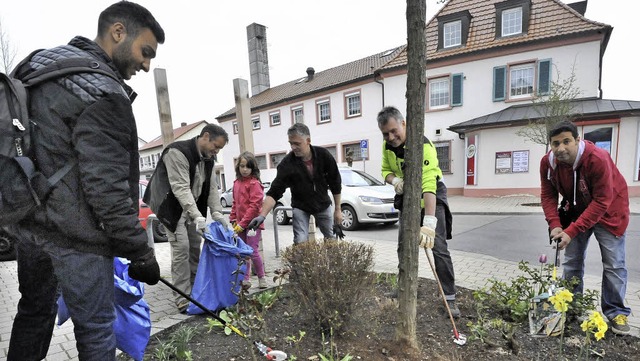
x: 248, y: 195
x: 593, y: 186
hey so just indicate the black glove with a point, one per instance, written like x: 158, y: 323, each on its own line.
x: 256, y: 222
x: 337, y: 230
x: 145, y: 269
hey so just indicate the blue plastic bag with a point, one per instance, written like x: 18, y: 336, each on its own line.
x: 132, y: 325
x: 215, y: 281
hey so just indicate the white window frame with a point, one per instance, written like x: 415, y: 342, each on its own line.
x: 350, y: 100
x: 452, y: 34
x: 255, y: 123
x: 323, y: 107
x: 447, y: 145
x: 272, y: 118
x: 439, y: 93
x: 297, y: 113
x: 512, y: 21
x: 524, y: 74
x: 613, y: 146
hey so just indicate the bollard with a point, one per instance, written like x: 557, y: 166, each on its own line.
x: 152, y: 218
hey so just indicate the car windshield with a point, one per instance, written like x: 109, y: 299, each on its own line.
x: 354, y: 178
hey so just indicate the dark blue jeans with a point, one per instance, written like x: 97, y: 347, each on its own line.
x: 614, y: 268
x: 86, y: 282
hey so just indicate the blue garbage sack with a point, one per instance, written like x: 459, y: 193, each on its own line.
x: 216, y: 281
x: 132, y: 325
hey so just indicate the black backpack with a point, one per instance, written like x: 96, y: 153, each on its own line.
x: 22, y: 187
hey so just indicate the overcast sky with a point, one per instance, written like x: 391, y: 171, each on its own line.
x: 206, y: 43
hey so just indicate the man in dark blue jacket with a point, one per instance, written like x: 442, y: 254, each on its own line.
x: 310, y: 172
x: 91, y: 215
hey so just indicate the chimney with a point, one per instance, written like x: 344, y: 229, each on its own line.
x: 310, y: 72
x: 183, y: 124
x: 258, y: 61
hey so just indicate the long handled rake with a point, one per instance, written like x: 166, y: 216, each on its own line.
x: 458, y: 338
x: 273, y: 355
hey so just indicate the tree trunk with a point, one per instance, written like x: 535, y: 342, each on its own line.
x: 410, y: 222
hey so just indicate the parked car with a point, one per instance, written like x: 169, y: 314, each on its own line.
x: 364, y: 199
x: 283, y: 217
x: 159, y: 232
x: 7, y: 246
x: 226, y: 198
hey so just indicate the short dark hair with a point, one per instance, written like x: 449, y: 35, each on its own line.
x: 215, y: 131
x: 252, y: 163
x: 299, y: 129
x: 389, y: 112
x: 563, y: 126
x: 133, y: 16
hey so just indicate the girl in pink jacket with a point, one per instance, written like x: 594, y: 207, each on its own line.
x: 248, y: 194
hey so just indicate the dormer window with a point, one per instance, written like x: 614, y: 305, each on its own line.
x: 453, y: 30
x: 512, y: 18
x: 452, y: 34
x: 512, y: 22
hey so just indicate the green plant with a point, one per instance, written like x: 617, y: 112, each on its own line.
x: 331, y: 278
x: 213, y: 323
x: 165, y: 351
x: 332, y: 354
x: 295, y: 340
x: 560, y: 301
x: 594, y: 326
x: 178, y: 346
x: 387, y: 278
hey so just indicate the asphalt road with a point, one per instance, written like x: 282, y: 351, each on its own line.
x: 514, y: 238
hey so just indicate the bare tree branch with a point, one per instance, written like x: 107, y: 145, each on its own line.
x: 7, y: 51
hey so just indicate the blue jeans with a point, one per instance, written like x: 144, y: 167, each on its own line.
x: 614, y: 274
x: 86, y: 282
x: 300, y: 224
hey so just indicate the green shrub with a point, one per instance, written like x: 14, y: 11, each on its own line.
x: 331, y: 278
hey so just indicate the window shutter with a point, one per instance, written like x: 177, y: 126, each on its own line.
x: 544, y: 77
x: 499, y: 83
x: 456, y: 90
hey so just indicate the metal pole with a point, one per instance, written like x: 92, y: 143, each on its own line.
x: 152, y: 218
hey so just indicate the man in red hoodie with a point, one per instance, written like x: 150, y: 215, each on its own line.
x: 594, y: 201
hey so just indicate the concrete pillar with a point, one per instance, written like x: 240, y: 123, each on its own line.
x: 164, y: 106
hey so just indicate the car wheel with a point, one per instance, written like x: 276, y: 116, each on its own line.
x: 7, y: 247
x: 349, y: 219
x: 223, y: 202
x: 281, y: 216
x: 159, y: 232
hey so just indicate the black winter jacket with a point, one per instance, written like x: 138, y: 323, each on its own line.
x: 307, y: 193
x: 87, y: 118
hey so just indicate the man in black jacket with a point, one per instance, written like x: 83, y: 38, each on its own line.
x: 310, y: 172
x: 91, y: 215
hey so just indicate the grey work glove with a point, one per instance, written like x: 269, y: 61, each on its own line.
x: 398, y: 185
x: 256, y: 222
x: 145, y: 269
x: 201, y: 224
x: 428, y: 232
x: 218, y: 217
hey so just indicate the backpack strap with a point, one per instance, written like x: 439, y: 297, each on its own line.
x: 55, y: 178
x: 68, y: 66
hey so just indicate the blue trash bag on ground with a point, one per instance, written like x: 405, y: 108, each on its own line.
x: 132, y: 325
x: 217, y: 283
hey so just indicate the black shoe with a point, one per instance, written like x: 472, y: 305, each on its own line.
x: 455, y: 311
